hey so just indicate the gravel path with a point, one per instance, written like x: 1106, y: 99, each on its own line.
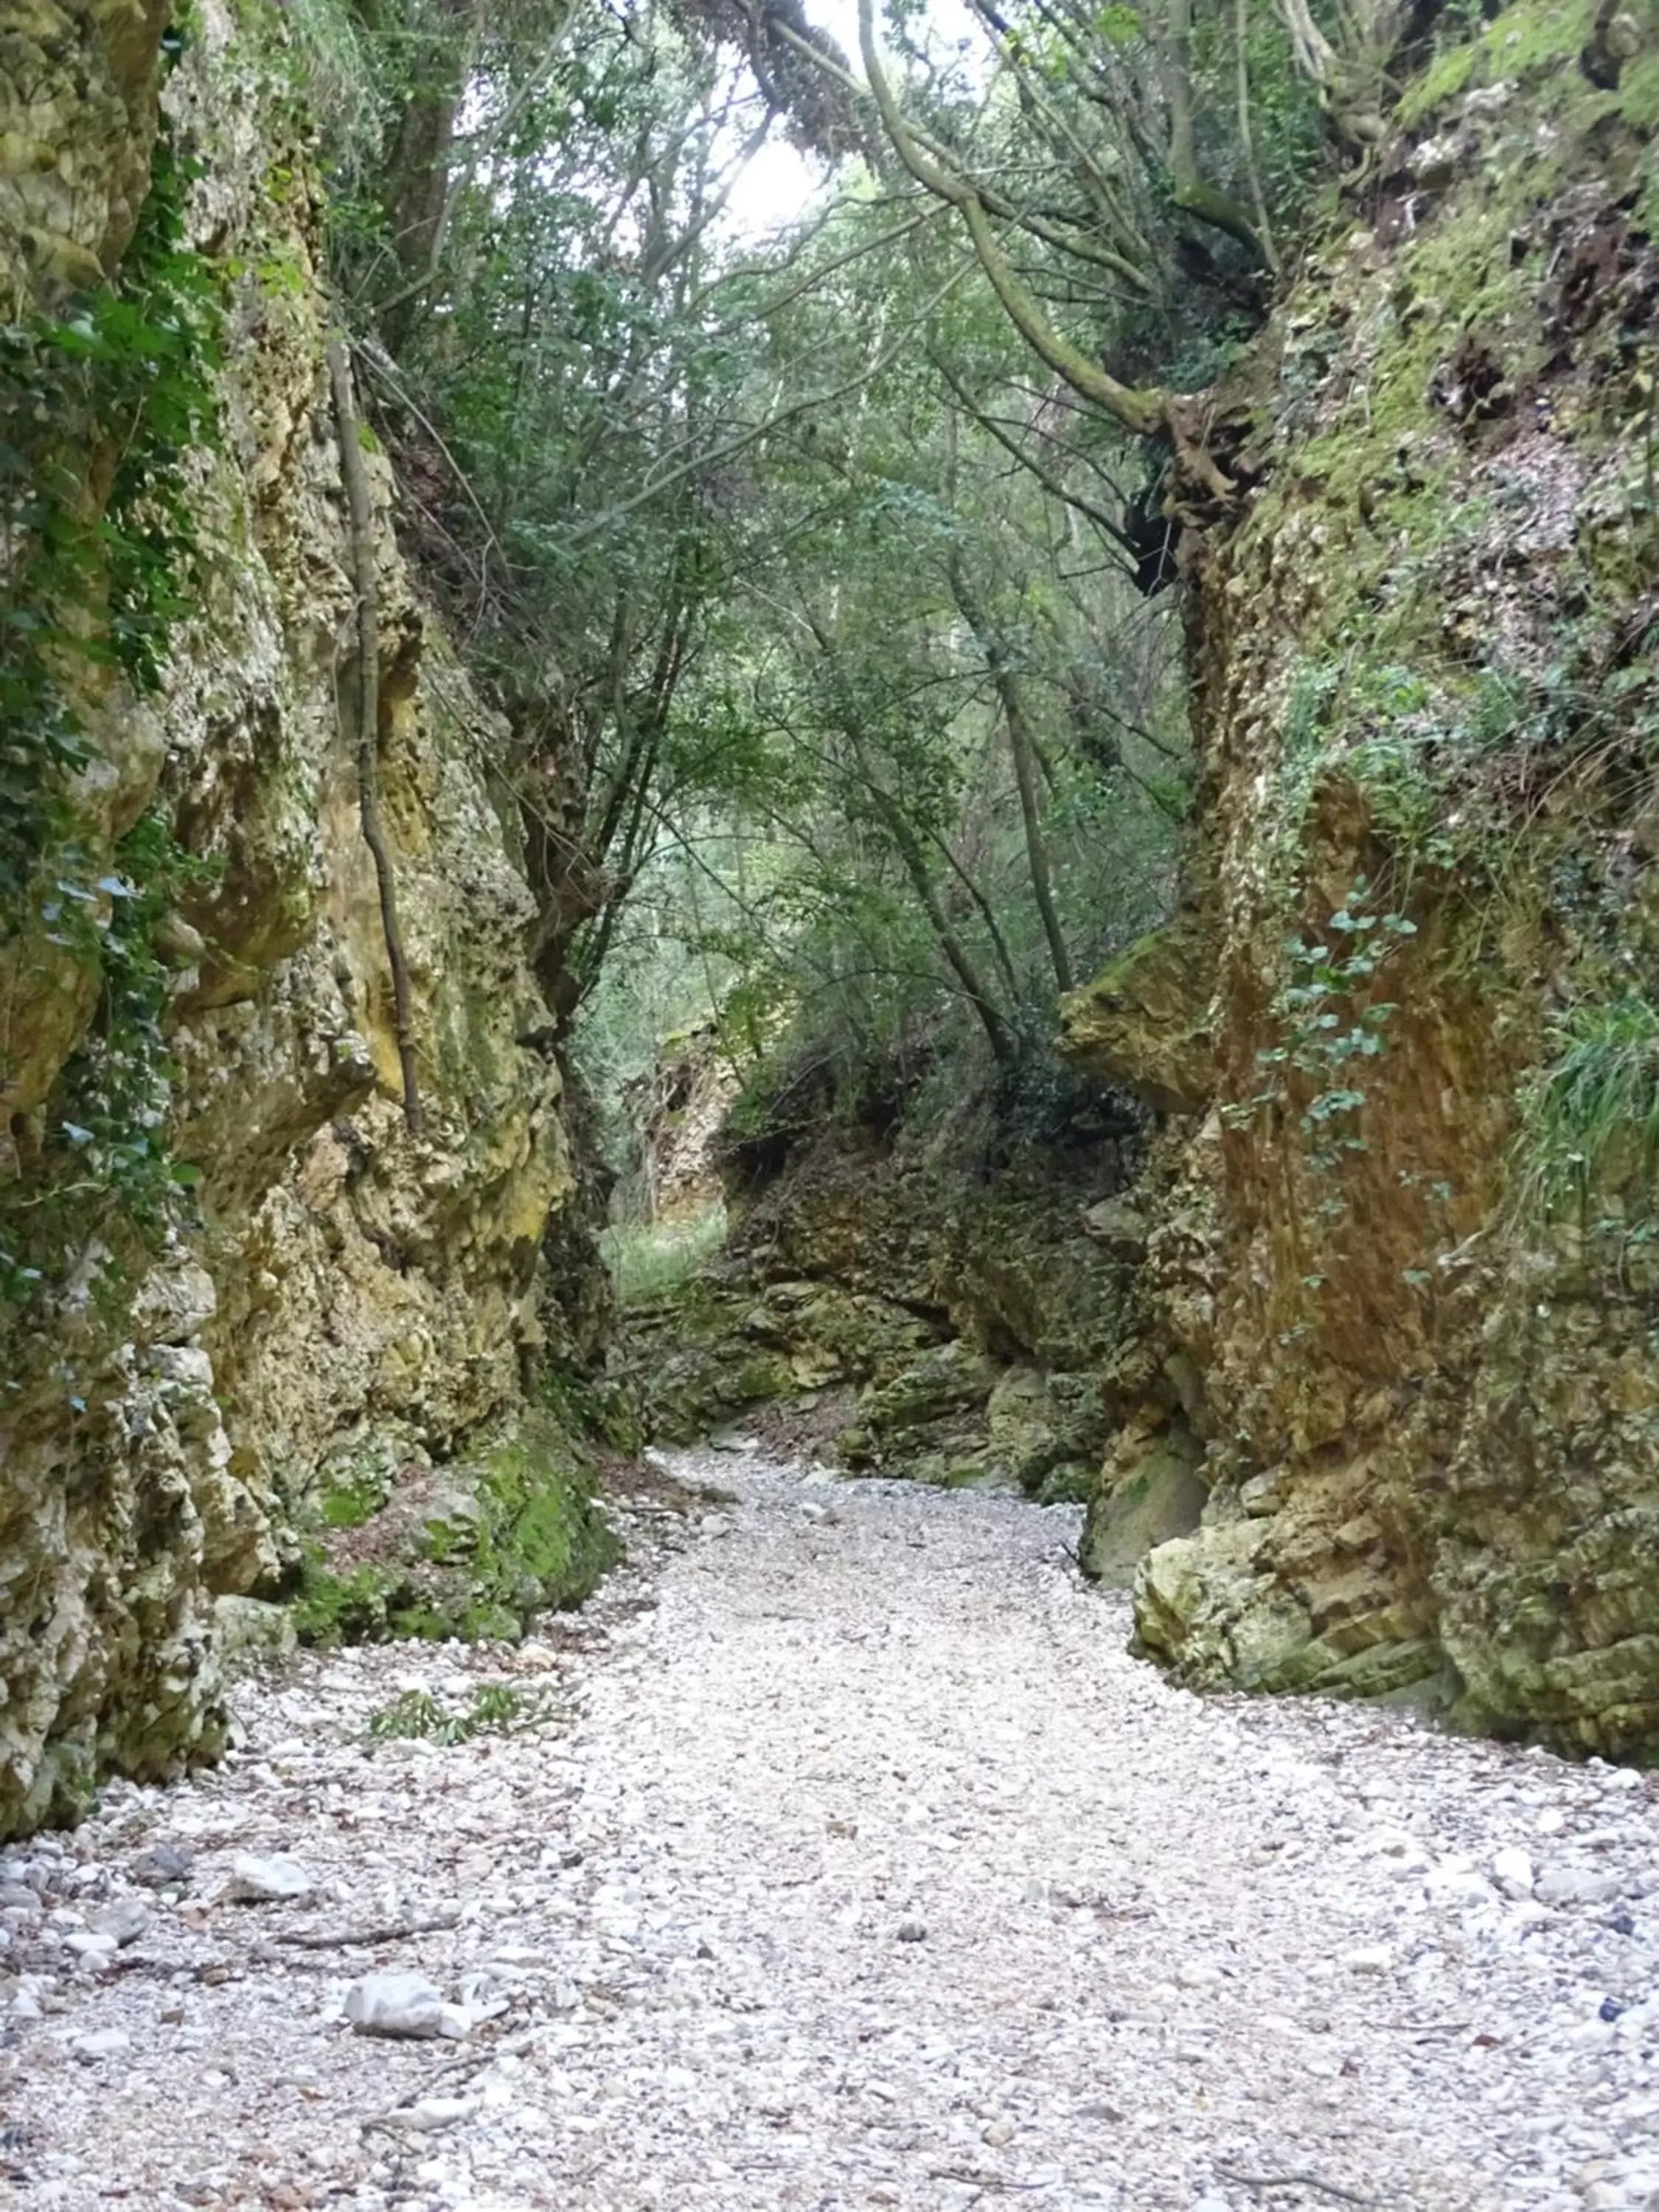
x: 862, y: 1868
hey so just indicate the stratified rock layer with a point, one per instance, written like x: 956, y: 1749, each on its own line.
x: 352, y: 1287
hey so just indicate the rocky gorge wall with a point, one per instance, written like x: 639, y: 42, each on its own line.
x: 327, y: 1314
x: 959, y: 1299
x: 1403, y: 1028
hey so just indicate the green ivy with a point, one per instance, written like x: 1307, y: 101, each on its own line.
x: 112, y: 390
x: 118, y: 1082
x: 102, y: 398
x: 105, y: 1144
x: 1330, y: 1027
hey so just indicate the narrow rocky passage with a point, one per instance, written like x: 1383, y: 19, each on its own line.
x: 851, y: 1864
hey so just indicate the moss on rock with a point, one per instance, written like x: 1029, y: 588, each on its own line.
x: 1145, y: 1020
x: 1425, y: 714
x: 475, y: 1550
x: 717, y: 1347
x: 1160, y: 1496
x: 970, y: 1323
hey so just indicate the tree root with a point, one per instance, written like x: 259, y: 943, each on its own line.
x: 360, y: 511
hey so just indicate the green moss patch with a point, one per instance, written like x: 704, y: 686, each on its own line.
x: 475, y: 1550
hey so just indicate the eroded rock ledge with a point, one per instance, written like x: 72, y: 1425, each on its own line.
x: 966, y: 1306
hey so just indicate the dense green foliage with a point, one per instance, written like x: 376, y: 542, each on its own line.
x: 1590, y: 1142
x: 818, y: 573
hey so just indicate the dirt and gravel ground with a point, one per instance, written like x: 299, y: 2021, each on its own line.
x: 838, y: 1857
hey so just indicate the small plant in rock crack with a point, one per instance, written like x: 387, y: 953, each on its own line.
x: 495, y: 1709
x: 1326, y: 1032
x: 1436, y: 1196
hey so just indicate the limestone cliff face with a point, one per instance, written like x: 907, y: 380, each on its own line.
x: 345, y: 1286
x: 1405, y: 1245
x: 955, y: 1301
x: 78, y: 88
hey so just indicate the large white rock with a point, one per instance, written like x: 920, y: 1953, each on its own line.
x: 405, y: 2004
x: 1577, y: 1886
x: 276, y: 1880
x: 1512, y: 1871
x: 101, y: 2043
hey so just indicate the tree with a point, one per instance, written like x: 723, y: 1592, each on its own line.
x: 945, y: 825
x: 1113, y: 100
x: 618, y: 427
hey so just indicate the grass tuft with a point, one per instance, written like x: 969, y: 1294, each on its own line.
x: 1592, y: 1119
x: 496, y: 1709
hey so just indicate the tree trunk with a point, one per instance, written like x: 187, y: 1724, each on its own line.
x: 913, y: 860
x: 414, y: 193
x: 1022, y: 749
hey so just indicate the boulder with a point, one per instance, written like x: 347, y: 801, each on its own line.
x: 1160, y: 1497
x: 1146, y: 1021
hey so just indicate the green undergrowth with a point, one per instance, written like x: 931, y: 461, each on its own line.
x: 1589, y: 1146
x: 493, y: 1709
x: 648, y: 1261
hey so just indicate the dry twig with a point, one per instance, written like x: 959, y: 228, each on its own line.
x: 966, y: 2175
x: 328, y: 1939
x: 1315, y: 2182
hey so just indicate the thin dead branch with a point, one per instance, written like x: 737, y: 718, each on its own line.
x: 392, y: 1931
x: 1258, y: 2184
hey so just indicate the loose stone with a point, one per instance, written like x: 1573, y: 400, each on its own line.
x: 123, y: 1921
x: 162, y: 1865
x: 277, y: 1881
x: 1168, y: 1940
x: 405, y: 2005
x: 101, y: 2043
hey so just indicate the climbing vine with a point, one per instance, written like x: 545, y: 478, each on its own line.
x: 1330, y: 1028
x: 1326, y: 1032
x: 100, y: 402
